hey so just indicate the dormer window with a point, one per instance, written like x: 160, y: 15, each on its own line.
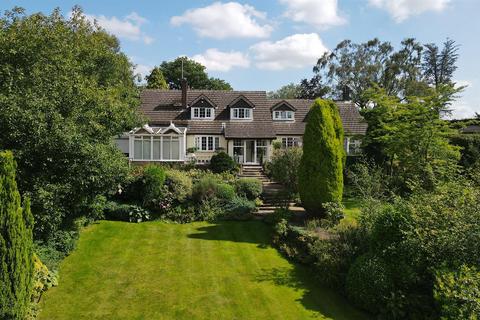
x: 202, y: 108
x: 283, y: 111
x: 202, y: 113
x: 283, y: 115
x: 241, y: 113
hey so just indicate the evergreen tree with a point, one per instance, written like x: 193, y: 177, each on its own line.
x: 156, y: 80
x: 16, y: 255
x: 321, y: 167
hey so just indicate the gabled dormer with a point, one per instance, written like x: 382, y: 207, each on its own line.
x: 202, y: 108
x: 283, y: 111
x: 241, y: 109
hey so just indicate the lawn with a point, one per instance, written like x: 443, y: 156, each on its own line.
x: 156, y: 270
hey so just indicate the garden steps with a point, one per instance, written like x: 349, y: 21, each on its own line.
x: 271, y: 190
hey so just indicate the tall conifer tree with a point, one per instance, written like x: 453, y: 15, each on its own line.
x: 16, y: 252
x: 321, y: 167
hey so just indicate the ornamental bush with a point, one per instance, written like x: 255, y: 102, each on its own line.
x: 16, y: 244
x: 152, y: 183
x: 222, y: 162
x: 249, y: 188
x: 321, y: 166
x: 457, y: 293
x: 179, y: 184
x: 239, y: 208
x: 369, y: 282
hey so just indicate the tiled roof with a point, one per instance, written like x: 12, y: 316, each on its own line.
x: 471, y: 129
x: 163, y: 106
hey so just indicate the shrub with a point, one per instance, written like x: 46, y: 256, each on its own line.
x: 369, y: 282
x: 43, y: 279
x: 209, y: 210
x: 125, y: 212
x: 458, y: 293
x: 210, y: 187
x: 295, y: 242
x: 333, y: 214
x: 16, y: 244
x: 153, y: 180
x: 225, y: 192
x: 205, y: 188
x: 222, y: 162
x: 249, y: 188
x: 278, y: 215
x: 239, y: 208
x: 283, y: 167
x: 179, y: 184
x: 181, y: 214
x: 321, y: 166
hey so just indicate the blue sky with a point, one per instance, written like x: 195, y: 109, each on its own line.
x: 262, y: 45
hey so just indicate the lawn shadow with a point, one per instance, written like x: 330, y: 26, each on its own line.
x: 255, y: 232
x: 322, y: 301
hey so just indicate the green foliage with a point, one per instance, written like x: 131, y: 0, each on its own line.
x: 239, y: 208
x: 350, y: 69
x: 321, y: 166
x: 204, y: 189
x: 250, y: 188
x: 225, y: 192
x: 16, y: 255
x: 283, y: 167
x: 458, y: 293
x: 222, y: 162
x: 125, y: 212
x: 194, y: 72
x: 65, y: 91
x: 470, y: 152
x: 43, y: 279
x: 368, y: 181
x: 368, y: 282
x: 179, y: 184
x: 413, y: 139
x: 155, y: 80
x: 289, y: 91
x: 153, y: 180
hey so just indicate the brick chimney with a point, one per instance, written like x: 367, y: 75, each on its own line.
x: 184, y: 85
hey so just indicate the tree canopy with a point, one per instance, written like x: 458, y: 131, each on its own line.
x: 66, y: 90
x: 194, y: 72
x: 156, y: 80
x: 352, y: 68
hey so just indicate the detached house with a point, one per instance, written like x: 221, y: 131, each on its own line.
x: 186, y: 123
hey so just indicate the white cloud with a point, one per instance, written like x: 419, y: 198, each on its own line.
x: 142, y: 70
x: 216, y: 60
x: 223, y: 20
x: 320, y: 13
x: 464, y: 109
x: 127, y: 28
x: 401, y: 10
x: 295, y: 51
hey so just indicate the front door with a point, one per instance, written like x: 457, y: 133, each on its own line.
x: 250, y: 150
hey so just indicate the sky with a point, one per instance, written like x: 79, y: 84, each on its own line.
x: 262, y: 45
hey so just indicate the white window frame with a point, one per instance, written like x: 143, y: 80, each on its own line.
x: 208, y: 113
x: 286, y: 115
x: 158, y: 138
x: 290, y: 142
x: 240, y: 113
x: 207, y: 143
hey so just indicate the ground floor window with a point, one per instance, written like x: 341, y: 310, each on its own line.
x: 289, y: 142
x: 207, y: 143
x: 156, y: 148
